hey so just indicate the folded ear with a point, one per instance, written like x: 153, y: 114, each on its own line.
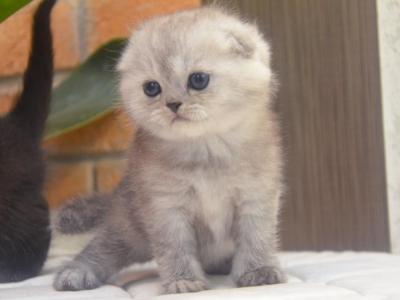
x: 246, y: 41
x: 241, y: 44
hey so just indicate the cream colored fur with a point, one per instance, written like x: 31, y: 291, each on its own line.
x: 203, y: 185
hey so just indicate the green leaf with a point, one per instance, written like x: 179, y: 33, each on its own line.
x: 8, y: 7
x: 89, y: 93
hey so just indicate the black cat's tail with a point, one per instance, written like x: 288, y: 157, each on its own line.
x: 82, y: 214
x: 33, y: 104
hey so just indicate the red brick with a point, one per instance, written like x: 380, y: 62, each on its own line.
x: 109, y: 173
x: 67, y: 180
x: 110, y: 18
x: 7, y: 101
x: 112, y: 133
x: 15, y: 37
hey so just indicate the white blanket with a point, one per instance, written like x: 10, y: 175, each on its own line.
x: 312, y: 276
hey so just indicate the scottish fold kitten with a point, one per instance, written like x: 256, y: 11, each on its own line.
x: 24, y: 215
x: 203, y: 184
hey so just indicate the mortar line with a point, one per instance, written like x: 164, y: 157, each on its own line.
x: 82, y: 29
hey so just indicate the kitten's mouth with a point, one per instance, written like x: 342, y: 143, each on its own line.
x: 178, y: 118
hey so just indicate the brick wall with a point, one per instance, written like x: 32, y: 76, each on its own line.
x: 91, y: 158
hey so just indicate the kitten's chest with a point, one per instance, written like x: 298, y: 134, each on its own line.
x: 213, y: 206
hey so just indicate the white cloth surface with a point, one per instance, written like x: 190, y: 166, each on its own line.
x: 312, y: 276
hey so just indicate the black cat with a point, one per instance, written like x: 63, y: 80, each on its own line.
x: 24, y: 215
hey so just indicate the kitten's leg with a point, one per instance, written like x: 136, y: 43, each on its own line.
x: 255, y: 261
x: 105, y: 255
x: 175, y: 249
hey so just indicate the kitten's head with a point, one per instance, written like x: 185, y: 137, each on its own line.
x: 195, y: 73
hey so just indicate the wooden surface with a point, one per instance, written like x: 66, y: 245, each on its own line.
x: 326, y: 57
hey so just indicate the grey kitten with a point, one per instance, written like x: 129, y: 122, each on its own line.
x: 203, y: 185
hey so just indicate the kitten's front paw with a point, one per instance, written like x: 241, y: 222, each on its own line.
x: 261, y: 276
x: 75, y: 278
x: 185, y: 286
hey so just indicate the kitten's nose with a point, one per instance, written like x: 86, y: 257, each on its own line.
x: 174, y: 106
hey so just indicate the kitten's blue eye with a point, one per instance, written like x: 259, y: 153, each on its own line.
x: 198, y: 81
x: 151, y: 88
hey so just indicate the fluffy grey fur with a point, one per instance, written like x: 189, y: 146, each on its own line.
x: 202, y: 189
